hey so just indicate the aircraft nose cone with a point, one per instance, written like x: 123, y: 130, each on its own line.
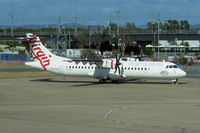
x: 183, y: 73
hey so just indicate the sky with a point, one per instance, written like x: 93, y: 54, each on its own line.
x: 97, y: 12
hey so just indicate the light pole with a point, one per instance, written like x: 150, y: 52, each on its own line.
x: 118, y: 12
x: 183, y: 29
x: 76, y: 26
x: 175, y: 54
x: 158, y: 36
x: 110, y: 30
x: 58, y: 33
x: 69, y: 39
x: 152, y: 24
x: 89, y: 40
x: 12, y: 24
x: 154, y: 39
x: 165, y: 26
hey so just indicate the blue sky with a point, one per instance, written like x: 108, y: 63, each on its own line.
x: 95, y: 12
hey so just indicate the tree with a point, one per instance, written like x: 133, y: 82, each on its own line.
x: 83, y: 39
x: 105, y: 46
x: 89, y: 54
x: 148, y: 51
x: 1, y: 49
x: 184, y: 44
x: 184, y: 25
x: 99, y: 37
x: 150, y: 25
x: 183, y: 60
x: 113, y: 26
x: 173, y: 24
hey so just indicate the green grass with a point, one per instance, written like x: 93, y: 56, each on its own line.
x: 13, y: 66
x: 5, y: 75
x: 28, y: 74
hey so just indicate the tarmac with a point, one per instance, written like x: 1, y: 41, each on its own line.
x: 81, y: 105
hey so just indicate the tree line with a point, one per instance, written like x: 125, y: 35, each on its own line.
x: 170, y: 25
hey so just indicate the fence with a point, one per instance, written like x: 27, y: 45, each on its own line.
x: 12, y: 58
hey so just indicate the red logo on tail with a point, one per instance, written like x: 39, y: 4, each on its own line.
x: 39, y: 54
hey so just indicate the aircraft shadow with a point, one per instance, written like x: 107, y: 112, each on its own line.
x: 88, y: 83
x: 144, y: 81
x: 81, y: 83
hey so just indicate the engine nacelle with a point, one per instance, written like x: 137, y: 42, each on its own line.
x: 116, y: 77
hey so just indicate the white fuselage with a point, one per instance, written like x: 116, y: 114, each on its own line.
x: 131, y: 69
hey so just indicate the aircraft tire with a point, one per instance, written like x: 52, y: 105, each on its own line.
x: 114, y: 81
x: 175, y: 82
x: 102, y: 81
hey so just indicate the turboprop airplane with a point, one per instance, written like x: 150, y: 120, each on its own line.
x: 103, y: 69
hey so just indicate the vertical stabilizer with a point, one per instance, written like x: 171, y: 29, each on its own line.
x: 39, y: 52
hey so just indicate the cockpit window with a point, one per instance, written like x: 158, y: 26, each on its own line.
x: 171, y: 66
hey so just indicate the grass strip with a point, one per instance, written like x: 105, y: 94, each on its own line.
x: 5, y: 75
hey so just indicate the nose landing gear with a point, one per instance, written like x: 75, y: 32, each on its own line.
x: 175, y: 82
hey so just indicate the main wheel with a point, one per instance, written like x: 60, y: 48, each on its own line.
x: 102, y: 81
x: 114, y: 81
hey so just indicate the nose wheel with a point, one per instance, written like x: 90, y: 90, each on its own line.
x: 175, y: 82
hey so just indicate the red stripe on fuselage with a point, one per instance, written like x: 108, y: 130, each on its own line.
x: 112, y: 64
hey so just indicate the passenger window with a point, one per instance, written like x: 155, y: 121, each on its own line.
x: 132, y: 68
x: 167, y: 66
x: 70, y: 67
x: 145, y: 68
x: 76, y: 67
x: 88, y: 67
x: 85, y: 67
x: 79, y: 67
x: 170, y: 66
x: 141, y: 68
x: 175, y: 66
x: 82, y: 67
x: 138, y: 68
x: 128, y: 68
x: 135, y: 68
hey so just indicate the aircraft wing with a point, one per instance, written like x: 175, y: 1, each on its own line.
x: 116, y: 76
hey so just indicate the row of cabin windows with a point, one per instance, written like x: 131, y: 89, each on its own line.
x: 88, y: 67
x: 85, y: 67
x: 131, y: 68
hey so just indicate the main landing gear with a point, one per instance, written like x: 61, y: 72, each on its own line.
x: 102, y: 81
x: 175, y: 82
